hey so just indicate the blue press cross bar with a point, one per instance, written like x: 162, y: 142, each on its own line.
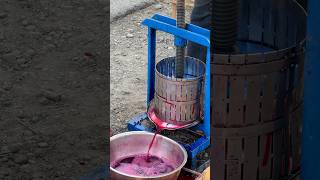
x: 191, y: 33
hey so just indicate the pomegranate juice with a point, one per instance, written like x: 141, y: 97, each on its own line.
x: 144, y: 165
x: 154, y: 137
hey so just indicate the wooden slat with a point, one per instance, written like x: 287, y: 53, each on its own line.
x: 234, y: 149
x: 252, y: 69
x: 299, y: 95
x: 268, y: 98
x: 233, y: 170
x: 268, y: 23
x: 296, y: 138
x: 277, y: 142
x: 219, y: 100
x: 282, y: 25
x: 236, y: 101
x: 281, y: 95
x: 265, y: 169
x: 285, y: 152
x: 292, y: 33
x: 251, y: 158
x: 244, y: 20
x: 218, y: 152
x: 275, y: 21
x: 256, y: 19
x: 234, y: 158
x: 252, y: 100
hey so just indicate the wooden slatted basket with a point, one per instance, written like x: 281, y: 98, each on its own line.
x: 257, y: 95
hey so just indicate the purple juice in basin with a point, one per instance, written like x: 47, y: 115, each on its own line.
x: 144, y: 165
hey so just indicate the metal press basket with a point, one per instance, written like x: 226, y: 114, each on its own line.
x: 179, y: 100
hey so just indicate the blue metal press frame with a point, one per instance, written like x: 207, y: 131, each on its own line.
x: 191, y: 33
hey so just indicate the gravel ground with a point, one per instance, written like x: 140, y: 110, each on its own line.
x: 52, y: 79
x: 123, y: 7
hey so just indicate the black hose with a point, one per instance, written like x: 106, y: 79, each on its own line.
x: 180, y: 51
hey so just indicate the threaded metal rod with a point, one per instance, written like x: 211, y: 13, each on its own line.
x: 225, y: 24
x: 180, y: 51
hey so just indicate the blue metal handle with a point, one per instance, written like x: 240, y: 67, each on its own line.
x: 182, y: 33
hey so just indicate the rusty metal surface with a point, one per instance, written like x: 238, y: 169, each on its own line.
x: 256, y: 96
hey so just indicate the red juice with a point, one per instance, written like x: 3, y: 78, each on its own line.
x: 142, y: 165
x: 154, y: 137
x: 146, y: 164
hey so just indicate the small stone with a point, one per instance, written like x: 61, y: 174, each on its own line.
x: 158, y: 6
x: 7, y: 85
x: 4, y: 150
x: 3, y: 15
x: 43, y: 144
x: 53, y: 96
x: 36, y: 118
x: 68, y: 165
x: 25, y: 22
x: 31, y: 27
x: 48, y: 38
x: 43, y: 101
x: 125, y: 93
x: 123, y: 53
x: 25, y: 168
x: 5, y: 102
x: 10, y: 164
x: 129, y: 35
x: 5, y: 172
x: 42, y: 17
x: 10, y: 57
x: 21, y: 159
x: 21, y: 114
x: 2, y: 37
x: 137, y: 56
x: 27, y: 133
x: 37, y: 175
x: 30, y: 53
x: 130, y: 30
x: 22, y: 61
x: 31, y: 161
x: 13, y: 148
x: 82, y: 162
x: 51, y: 46
x: 30, y: 155
x: 4, y: 159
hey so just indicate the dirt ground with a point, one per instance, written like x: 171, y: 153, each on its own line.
x: 128, y: 62
x: 53, y: 73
